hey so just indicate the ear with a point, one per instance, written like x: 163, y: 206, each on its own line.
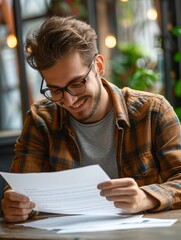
x: 100, y: 67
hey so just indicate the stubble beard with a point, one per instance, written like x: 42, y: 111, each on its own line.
x: 96, y: 102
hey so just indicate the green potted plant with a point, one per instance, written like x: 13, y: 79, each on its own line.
x: 176, y: 31
x: 133, y: 67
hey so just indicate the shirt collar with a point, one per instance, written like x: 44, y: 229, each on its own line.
x: 118, y: 103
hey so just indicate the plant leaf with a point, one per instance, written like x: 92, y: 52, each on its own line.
x: 178, y: 88
x: 176, y: 31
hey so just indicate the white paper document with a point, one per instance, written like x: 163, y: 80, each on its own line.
x: 90, y: 223
x: 81, y: 221
x: 72, y: 191
x: 75, y: 192
x: 125, y: 225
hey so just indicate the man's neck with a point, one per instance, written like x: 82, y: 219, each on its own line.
x: 105, y: 105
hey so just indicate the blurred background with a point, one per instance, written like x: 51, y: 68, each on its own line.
x: 140, y: 40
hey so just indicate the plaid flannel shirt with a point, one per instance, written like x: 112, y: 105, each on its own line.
x: 147, y: 137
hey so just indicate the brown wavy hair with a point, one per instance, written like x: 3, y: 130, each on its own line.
x: 56, y: 38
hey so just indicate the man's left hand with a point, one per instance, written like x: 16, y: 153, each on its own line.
x: 126, y: 194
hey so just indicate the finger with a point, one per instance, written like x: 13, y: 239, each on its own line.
x: 13, y: 196
x: 6, y: 203
x: 16, y: 214
x: 16, y: 211
x: 122, y: 199
x: 16, y: 218
x: 122, y: 182
x: 121, y: 191
x: 12, y: 214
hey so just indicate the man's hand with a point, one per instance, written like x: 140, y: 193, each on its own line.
x: 16, y: 207
x: 126, y: 194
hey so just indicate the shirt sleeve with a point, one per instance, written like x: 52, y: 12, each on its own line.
x: 168, y: 150
x: 32, y: 147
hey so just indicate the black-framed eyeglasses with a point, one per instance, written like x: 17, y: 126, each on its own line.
x: 75, y: 88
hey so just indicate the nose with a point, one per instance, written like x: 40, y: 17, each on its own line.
x: 68, y: 99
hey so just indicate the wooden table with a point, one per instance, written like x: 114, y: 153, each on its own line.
x: 12, y: 231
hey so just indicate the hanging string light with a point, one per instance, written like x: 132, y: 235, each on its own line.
x: 110, y: 41
x: 152, y: 14
x: 11, y: 41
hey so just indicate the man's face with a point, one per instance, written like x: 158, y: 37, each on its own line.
x: 88, y: 106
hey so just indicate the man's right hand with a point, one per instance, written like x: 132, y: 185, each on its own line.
x: 16, y: 207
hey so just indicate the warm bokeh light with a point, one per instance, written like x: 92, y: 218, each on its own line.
x: 123, y: 0
x: 28, y: 49
x: 110, y: 41
x: 11, y: 41
x: 152, y: 14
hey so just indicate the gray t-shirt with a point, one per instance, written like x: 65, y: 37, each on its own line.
x: 97, y: 144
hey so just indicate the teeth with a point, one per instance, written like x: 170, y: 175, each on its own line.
x: 78, y: 104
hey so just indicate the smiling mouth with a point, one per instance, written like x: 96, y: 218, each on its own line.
x: 79, y: 104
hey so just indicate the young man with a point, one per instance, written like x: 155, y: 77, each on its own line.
x: 134, y: 136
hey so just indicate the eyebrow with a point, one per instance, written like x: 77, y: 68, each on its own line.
x: 71, y: 81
